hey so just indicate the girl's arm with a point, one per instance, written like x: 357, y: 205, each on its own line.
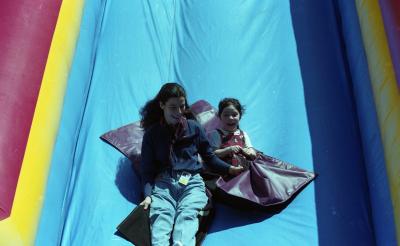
x: 215, y: 142
x: 227, y: 151
x: 146, y: 165
x: 248, y: 150
x: 207, y: 154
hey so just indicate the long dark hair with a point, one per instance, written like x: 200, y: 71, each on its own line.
x: 152, y: 113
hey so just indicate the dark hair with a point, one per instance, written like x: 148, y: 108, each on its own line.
x: 230, y: 101
x: 152, y: 113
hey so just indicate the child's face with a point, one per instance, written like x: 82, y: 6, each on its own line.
x: 230, y: 118
x: 173, y: 109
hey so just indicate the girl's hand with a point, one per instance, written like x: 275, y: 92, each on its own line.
x: 146, y: 202
x: 228, y: 151
x: 250, y: 152
x: 234, y: 149
x: 235, y: 170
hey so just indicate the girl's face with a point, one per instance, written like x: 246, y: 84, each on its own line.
x: 173, y: 109
x: 230, y: 118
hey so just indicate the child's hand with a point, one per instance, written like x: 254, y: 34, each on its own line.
x: 234, y: 149
x: 250, y: 152
x: 228, y: 151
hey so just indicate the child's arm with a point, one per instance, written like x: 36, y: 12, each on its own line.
x: 215, y: 142
x: 210, y: 158
x: 227, y: 151
x: 249, y: 151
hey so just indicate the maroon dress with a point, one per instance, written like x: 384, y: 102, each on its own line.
x: 232, y: 139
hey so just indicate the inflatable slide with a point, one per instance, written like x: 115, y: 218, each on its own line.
x: 319, y: 79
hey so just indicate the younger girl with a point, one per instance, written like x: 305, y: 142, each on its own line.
x: 170, y: 167
x: 267, y: 182
x: 231, y: 143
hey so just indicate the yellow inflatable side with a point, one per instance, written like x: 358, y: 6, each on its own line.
x: 20, y: 228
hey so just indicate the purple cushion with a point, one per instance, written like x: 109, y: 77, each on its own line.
x: 267, y: 182
x: 128, y: 140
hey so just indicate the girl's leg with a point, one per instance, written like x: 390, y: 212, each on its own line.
x: 162, y: 211
x: 192, y: 200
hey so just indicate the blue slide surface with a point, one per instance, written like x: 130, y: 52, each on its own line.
x: 283, y: 60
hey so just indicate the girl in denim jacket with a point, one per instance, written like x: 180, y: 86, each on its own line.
x: 170, y: 167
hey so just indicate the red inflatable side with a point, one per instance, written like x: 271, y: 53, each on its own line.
x: 26, y: 30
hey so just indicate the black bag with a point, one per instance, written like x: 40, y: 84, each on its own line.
x: 136, y: 227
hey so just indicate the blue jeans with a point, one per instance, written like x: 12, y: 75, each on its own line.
x: 174, y: 208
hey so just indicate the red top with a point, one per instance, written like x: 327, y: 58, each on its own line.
x: 232, y: 139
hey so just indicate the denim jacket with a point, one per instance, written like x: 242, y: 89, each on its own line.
x: 164, y: 149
